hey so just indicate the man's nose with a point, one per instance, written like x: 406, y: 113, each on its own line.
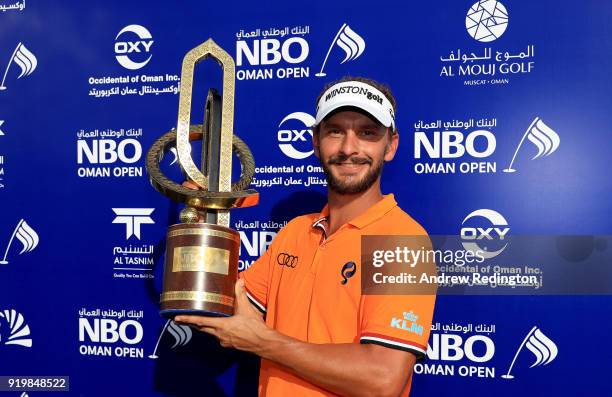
x: 350, y: 143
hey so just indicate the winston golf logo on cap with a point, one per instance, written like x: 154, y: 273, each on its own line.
x: 356, y: 94
x: 352, y: 89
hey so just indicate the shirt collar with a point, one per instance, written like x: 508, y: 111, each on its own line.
x: 372, y: 214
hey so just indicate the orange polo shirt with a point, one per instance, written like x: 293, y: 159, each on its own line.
x: 309, y: 286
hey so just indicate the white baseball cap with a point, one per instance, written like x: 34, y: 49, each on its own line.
x: 359, y: 95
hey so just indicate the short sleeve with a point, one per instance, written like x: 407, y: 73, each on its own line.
x: 397, y: 321
x: 257, y: 278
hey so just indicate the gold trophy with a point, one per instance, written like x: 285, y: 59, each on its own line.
x: 201, y: 264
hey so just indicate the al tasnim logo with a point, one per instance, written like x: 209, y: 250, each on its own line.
x: 133, y: 218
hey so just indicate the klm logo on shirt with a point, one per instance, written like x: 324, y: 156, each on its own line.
x: 407, y: 323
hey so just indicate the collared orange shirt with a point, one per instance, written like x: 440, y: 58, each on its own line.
x: 309, y: 286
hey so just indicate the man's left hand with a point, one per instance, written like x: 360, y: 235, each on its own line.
x: 243, y: 331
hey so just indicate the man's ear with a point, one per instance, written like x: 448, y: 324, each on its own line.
x: 315, y: 141
x: 392, y: 146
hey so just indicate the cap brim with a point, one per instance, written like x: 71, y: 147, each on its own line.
x: 375, y: 112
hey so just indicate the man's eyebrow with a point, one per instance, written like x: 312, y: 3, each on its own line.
x: 331, y: 125
x: 372, y: 126
x: 367, y: 125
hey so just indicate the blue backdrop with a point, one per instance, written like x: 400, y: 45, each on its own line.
x: 89, y: 86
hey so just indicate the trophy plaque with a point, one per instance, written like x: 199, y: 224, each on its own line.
x: 201, y: 265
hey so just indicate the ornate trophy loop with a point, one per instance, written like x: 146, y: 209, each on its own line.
x: 205, y: 50
x: 239, y: 196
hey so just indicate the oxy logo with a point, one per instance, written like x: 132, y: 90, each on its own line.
x: 542, y: 136
x: 131, y: 54
x: 486, y: 20
x: 133, y: 218
x: 542, y: 347
x: 349, y: 41
x: 487, y: 238
x: 288, y: 260
x: 348, y: 270
x: 454, y: 144
x: 295, y: 140
x: 181, y: 333
x: 23, y: 58
x: 26, y: 236
x: 1, y: 132
x: 13, y: 329
x: 108, y: 151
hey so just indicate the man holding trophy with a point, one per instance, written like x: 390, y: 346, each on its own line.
x: 300, y: 306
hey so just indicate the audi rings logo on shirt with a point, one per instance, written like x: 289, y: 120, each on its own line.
x: 288, y: 260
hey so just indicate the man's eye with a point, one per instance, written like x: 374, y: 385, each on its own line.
x: 334, y: 132
x: 368, y: 133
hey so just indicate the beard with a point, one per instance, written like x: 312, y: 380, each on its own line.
x: 351, y: 186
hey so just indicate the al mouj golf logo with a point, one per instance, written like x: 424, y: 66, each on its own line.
x: 486, y: 20
x: 285, y: 52
x: 482, y: 61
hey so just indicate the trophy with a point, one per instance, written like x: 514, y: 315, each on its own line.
x: 201, y: 265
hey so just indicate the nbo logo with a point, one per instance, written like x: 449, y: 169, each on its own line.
x: 257, y: 244
x: 450, y: 144
x: 448, y: 347
x: 266, y: 51
x: 106, y: 151
x: 287, y: 137
x: 123, y: 48
x: 110, y: 331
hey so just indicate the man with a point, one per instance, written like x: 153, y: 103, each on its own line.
x: 321, y: 336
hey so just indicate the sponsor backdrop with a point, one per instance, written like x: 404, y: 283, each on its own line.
x: 504, y: 122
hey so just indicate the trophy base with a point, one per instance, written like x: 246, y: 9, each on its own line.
x: 200, y: 271
x: 171, y: 313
